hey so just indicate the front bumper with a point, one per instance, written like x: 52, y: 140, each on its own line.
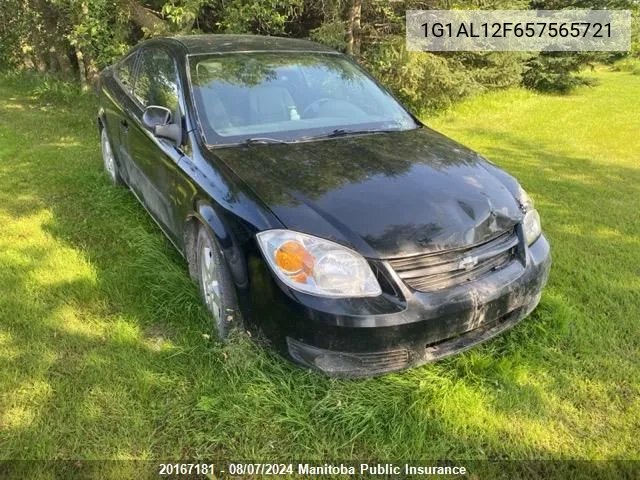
x: 361, y: 337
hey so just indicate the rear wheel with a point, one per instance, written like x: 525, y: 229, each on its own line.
x: 216, y: 285
x: 109, y: 161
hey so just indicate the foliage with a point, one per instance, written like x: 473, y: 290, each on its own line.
x: 182, y: 14
x: 77, y: 38
x: 556, y: 72
x: 11, y: 28
x: 98, y: 28
x: 331, y: 34
x: 629, y: 64
x: 426, y: 81
x: 635, y: 31
x: 48, y: 88
x: 267, y: 17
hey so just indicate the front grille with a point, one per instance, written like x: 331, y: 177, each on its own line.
x: 435, y: 271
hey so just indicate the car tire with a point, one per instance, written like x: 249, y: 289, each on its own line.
x: 108, y: 159
x: 216, y: 285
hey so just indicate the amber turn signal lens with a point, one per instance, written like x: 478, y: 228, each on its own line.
x: 294, y: 259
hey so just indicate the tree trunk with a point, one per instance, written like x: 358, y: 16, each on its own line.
x: 52, y: 61
x: 353, y: 28
x: 81, y: 69
x: 82, y: 62
x: 144, y: 17
x: 92, y: 71
x: 29, y: 61
x: 63, y: 61
x: 37, y: 55
x: 40, y: 62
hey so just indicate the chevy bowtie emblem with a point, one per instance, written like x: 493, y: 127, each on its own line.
x: 467, y: 263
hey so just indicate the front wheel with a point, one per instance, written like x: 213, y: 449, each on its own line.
x: 216, y: 285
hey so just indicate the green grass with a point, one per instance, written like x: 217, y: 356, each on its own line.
x: 104, y: 348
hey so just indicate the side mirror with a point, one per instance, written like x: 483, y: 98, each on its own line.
x: 154, y: 115
x: 158, y: 120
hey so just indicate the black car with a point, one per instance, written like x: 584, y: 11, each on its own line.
x: 309, y: 204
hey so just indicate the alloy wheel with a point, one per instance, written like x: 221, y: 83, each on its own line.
x: 107, y: 157
x: 210, y: 280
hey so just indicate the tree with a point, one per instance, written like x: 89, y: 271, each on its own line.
x: 77, y: 38
x: 353, y: 30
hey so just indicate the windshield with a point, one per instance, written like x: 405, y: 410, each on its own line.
x: 288, y: 97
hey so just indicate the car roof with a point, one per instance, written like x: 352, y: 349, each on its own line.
x: 227, y: 43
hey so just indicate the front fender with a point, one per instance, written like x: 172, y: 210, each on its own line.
x: 206, y: 215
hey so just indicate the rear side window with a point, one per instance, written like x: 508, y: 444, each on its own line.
x: 157, y: 82
x: 125, y: 71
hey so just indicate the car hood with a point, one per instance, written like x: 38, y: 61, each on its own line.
x: 385, y: 195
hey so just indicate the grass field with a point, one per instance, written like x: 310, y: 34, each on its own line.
x: 104, y: 347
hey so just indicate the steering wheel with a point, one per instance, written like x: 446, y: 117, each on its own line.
x: 314, y: 105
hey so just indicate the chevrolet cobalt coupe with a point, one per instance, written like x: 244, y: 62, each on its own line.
x: 311, y: 206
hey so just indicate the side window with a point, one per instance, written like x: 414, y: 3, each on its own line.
x: 157, y: 79
x: 124, y: 71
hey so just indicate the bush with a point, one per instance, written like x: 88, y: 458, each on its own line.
x: 332, y: 34
x: 556, y: 72
x: 629, y: 64
x: 46, y: 87
x: 426, y: 82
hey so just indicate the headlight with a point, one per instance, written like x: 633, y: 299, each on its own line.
x: 525, y: 201
x: 316, y: 266
x: 531, y: 225
x: 531, y: 222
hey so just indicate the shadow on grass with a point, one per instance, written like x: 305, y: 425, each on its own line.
x: 103, y: 353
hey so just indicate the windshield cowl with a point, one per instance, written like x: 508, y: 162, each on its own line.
x: 315, y: 138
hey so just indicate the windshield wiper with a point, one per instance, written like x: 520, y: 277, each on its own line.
x: 342, y: 132
x: 261, y: 140
x: 338, y: 132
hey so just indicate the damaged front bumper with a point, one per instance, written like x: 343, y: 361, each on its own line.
x: 357, y: 339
